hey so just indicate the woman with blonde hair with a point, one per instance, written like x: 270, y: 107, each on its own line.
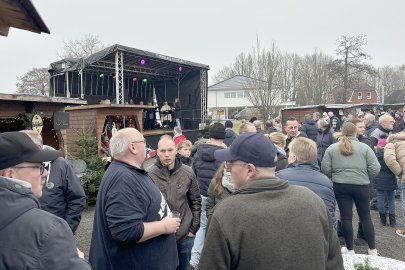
x: 278, y: 139
x: 221, y: 187
x: 351, y: 164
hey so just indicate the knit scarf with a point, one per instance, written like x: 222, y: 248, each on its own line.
x: 227, y: 181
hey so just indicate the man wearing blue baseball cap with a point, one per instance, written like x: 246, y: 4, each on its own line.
x: 262, y: 225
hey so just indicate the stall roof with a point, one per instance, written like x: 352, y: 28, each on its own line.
x: 44, y: 99
x: 153, y: 64
x: 20, y: 14
x: 330, y: 106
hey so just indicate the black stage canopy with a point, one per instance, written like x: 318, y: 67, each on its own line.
x: 127, y: 75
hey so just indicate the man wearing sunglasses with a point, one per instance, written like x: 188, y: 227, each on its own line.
x: 267, y: 223
x: 30, y: 237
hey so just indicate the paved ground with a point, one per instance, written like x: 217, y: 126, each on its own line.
x: 388, y: 243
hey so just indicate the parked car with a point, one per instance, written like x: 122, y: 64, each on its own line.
x: 248, y: 113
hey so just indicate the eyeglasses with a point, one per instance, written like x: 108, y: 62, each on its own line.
x: 230, y: 164
x: 40, y: 167
x: 142, y: 141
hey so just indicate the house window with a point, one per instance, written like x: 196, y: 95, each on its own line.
x: 233, y: 94
x: 240, y: 94
x: 227, y: 94
x: 359, y: 95
x: 368, y: 95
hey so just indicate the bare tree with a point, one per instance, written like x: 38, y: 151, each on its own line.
x: 391, y: 78
x: 289, y: 70
x: 243, y: 65
x: 264, y: 88
x: 35, y: 81
x: 315, y: 82
x: 81, y: 48
x: 351, y: 61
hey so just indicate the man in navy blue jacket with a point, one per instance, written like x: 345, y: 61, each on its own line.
x: 304, y: 171
x: 131, y: 228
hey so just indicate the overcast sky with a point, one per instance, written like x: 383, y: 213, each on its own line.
x: 211, y: 32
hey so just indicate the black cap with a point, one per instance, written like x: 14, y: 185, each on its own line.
x: 17, y: 147
x: 252, y: 148
x: 217, y: 131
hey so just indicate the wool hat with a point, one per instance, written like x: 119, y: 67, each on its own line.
x: 17, y: 147
x: 228, y: 124
x: 252, y: 148
x: 217, y: 131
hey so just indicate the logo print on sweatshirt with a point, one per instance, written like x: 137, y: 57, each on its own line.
x: 163, y: 207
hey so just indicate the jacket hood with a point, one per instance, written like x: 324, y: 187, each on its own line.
x: 263, y: 184
x: 229, y: 133
x: 305, y: 165
x: 310, y: 122
x: 206, y: 151
x: 373, y: 125
x: 17, y: 199
x: 280, y: 150
x: 393, y: 138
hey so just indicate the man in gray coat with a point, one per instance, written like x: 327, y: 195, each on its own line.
x: 30, y: 237
x: 261, y: 226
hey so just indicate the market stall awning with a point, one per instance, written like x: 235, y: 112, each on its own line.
x: 20, y: 14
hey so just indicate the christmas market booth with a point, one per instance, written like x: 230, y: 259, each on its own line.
x: 44, y: 114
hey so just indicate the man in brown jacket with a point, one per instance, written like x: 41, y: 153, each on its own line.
x: 179, y: 186
x: 394, y: 157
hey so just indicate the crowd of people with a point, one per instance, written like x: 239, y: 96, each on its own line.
x: 230, y: 201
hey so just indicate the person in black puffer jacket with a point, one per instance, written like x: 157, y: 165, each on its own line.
x: 309, y: 127
x: 205, y: 165
x: 385, y: 183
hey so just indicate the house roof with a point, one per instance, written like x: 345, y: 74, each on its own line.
x: 20, y: 14
x: 43, y: 99
x: 235, y: 82
x: 396, y: 96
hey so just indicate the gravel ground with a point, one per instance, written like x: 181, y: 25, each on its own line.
x: 388, y: 243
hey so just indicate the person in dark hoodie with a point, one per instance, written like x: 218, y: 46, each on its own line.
x: 205, y: 165
x: 309, y: 127
x: 179, y: 186
x: 230, y: 135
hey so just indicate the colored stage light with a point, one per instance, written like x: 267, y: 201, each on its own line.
x: 134, y: 79
x: 101, y: 75
x: 145, y: 80
x: 180, y: 69
x: 143, y: 62
x: 114, y: 77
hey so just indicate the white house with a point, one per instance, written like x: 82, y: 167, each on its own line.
x: 227, y: 94
x: 230, y: 93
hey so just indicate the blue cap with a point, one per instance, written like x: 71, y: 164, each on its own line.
x: 252, y: 148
